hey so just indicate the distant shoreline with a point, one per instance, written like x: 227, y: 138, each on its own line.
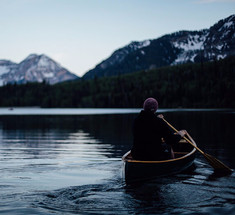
x: 94, y: 111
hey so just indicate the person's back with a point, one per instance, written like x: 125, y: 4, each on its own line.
x: 148, y: 131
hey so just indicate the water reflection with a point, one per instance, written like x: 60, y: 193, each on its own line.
x: 32, y: 156
x: 36, y: 131
x: 72, y: 164
x: 212, y: 131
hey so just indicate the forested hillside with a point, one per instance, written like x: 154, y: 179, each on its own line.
x: 202, y: 85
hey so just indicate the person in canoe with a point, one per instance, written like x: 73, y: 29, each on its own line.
x: 149, y: 130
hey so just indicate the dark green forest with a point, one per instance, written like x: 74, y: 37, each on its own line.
x: 202, y: 85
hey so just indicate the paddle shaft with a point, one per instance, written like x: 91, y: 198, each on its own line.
x: 215, y: 163
x: 183, y: 136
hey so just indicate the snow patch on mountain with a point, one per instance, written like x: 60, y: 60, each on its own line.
x: 228, y: 24
x: 221, y: 56
x: 3, y: 70
x: 220, y: 47
x: 135, y: 45
x: 139, y: 45
x: 193, y: 42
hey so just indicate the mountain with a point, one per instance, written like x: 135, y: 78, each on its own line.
x: 35, y: 68
x: 217, y: 42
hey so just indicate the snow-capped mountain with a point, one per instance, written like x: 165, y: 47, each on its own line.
x: 35, y: 68
x: 217, y: 42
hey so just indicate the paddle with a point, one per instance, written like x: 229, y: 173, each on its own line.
x: 215, y: 163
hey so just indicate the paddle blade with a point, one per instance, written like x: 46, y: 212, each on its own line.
x: 217, y: 165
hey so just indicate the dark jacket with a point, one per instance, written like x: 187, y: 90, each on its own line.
x: 148, y: 131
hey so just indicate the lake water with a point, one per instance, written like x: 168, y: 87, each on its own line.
x: 69, y: 162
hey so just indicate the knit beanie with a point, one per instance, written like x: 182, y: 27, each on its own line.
x: 150, y: 104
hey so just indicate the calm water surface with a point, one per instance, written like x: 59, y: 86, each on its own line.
x: 55, y: 164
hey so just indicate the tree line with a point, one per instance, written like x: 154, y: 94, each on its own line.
x: 201, y: 85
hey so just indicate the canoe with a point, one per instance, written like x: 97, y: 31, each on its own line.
x: 136, y: 170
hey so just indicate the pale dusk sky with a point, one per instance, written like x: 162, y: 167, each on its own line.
x: 79, y: 34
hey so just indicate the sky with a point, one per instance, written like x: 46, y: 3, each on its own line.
x: 79, y: 34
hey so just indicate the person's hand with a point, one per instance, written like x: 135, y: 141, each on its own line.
x: 182, y: 132
x: 160, y: 116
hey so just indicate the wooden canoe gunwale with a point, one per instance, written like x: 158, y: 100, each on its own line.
x: 161, y: 161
